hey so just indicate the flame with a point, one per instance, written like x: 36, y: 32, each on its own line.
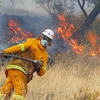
x: 66, y: 30
x: 93, y: 41
x: 79, y: 49
x: 98, y: 50
x: 59, y: 55
x: 93, y: 52
x: 16, y: 33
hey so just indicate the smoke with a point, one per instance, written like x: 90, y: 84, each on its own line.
x: 26, y: 6
x: 33, y: 24
x: 18, y: 12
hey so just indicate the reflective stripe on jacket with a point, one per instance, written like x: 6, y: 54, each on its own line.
x: 18, y: 97
x: 16, y: 67
x: 31, y: 49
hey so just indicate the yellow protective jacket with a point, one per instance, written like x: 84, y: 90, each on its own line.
x: 31, y: 49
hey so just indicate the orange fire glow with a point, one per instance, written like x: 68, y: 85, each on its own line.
x: 93, y: 41
x: 16, y: 33
x: 66, y: 30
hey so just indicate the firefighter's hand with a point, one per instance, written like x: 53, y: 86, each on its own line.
x: 38, y: 65
x: 1, y: 54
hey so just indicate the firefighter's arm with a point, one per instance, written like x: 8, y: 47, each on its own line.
x: 18, y: 48
x: 42, y: 70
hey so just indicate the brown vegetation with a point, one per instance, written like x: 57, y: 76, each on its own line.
x: 73, y: 77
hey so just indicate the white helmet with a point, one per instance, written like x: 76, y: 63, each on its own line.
x: 49, y: 33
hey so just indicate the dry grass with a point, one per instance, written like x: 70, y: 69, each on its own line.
x: 71, y: 78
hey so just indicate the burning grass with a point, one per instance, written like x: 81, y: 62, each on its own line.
x: 16, y: 33
x: 66, y: 30
x: 73, y: 77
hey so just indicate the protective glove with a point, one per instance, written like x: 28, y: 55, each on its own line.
x: 38, y: 65
x: 1, y: 53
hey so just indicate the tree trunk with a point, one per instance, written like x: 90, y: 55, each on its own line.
x: 86, y: 24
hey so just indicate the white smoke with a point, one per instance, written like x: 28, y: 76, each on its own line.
x: 25, y: 6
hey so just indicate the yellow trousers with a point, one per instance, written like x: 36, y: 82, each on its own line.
x: 15, y: 85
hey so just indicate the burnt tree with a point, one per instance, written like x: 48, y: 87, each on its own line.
x: 80, y: 33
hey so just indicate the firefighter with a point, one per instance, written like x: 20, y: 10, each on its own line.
x: 19, y: 72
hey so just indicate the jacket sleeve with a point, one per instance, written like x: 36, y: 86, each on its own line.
x: 19, y: 47
x: 43, y: 68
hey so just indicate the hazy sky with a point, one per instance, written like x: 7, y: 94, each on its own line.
x: 28, y: 5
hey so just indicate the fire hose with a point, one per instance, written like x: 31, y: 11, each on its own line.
x: 19, y: 57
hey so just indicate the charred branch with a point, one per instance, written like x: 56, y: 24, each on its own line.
x: 82, y: 7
